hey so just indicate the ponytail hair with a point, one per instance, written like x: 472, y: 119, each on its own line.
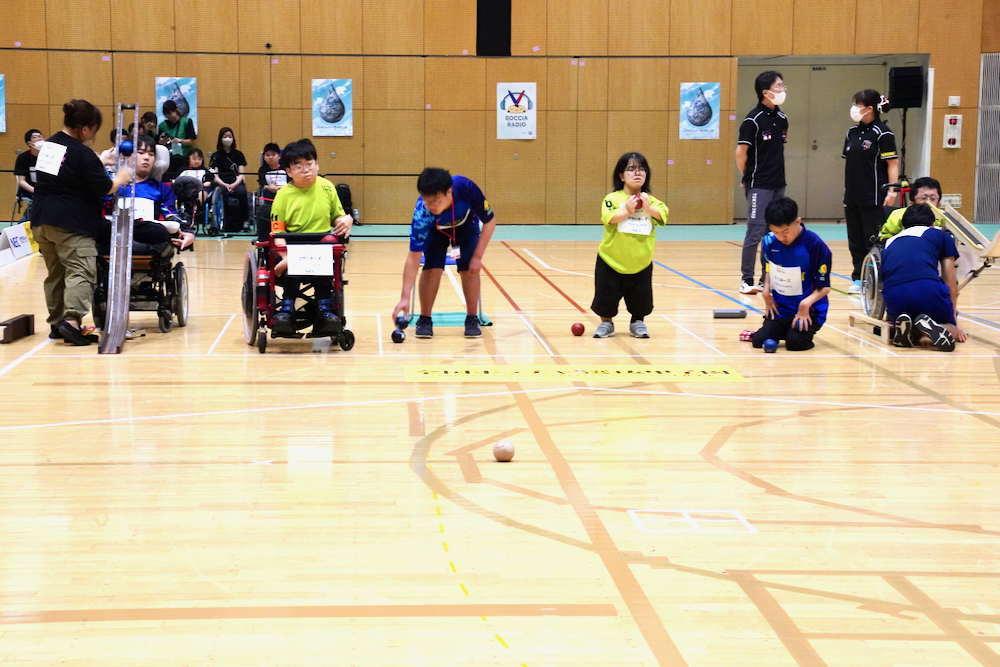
x: 81, y: 113
x: 872, y: 98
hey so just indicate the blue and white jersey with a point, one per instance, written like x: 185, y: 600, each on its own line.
x: 914, y: 254
x: 162, y: 198
x: 469, y: 207
x: 796, y: 271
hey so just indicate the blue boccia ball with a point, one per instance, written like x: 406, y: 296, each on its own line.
x: 770, y: 345
x: 402, y: 322
x: 398, y: 336
x: 126, y: 148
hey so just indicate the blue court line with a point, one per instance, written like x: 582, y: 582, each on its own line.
x: 850, y: 280
x: 979, y: 319
x: 723, y: 294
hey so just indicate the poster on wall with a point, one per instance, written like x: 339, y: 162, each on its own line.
x: 183, y: 90
x: 333, y: 108
x: 700, y: 110
x: 516, y: 111
x: 3, y: 104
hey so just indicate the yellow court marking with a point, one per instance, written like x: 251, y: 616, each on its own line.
x: 548, y: 373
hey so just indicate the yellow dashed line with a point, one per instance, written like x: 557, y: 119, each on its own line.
x: 445, y: 545
x: 441, y: 526
x: 453, y: 567
x: 438, y: 511
x: 464, y: 589
x: 502, y: 642
x: 435, y: 496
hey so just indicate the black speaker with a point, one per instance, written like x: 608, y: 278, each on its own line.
x: 493, y: 27
x: 906, y: 87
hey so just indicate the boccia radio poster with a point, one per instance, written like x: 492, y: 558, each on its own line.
x: 516, y: 111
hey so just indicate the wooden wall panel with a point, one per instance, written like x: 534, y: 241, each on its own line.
x: 286, y: 82
x: 700, y: 177
x: 592, y: 84
x: 255, y: 131
x: 689, y: 70
x: 201, y: 28
x: 749, y: 39
x: 349, y: 151
x: 333, y: 67
x: 262, y: 22
x: 254, y: 89
x: 561, y: 82
x: 394, y: 83
x: 646, y: 132
x: 560, y: 167
x: 155, y: 34
x: 79, y: 75
x: 873, y: 19
x: 456, y: 84
x: 218, y: 77
x: 394, y: 141
x: 26, y: 77
x: 577, y: 28
x: 528, y: 27
x: 823, y: 27
x: 456, y: 141
x: 389, y: 200
x: 20, y: 119
x: 516, y: 187
x: 25, y: 25
x: 64, y: 29
x: 449, y: 27
x: 135, y: 76
x: 330, y: 27
x: 955, y: 62
x: 649, y: 27
x: 991, y: 26
x: 639, y: 83
x: 393, y: 27
x: 593, y: 176
x: 210, y: 120
x: 288, y: 125
x: 702, y: 28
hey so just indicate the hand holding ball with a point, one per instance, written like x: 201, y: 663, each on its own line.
x: 577, y: 328
x: 503, y: 451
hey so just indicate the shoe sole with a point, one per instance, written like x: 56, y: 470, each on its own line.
x: 610, y: 335
x: 478, y: 335
x: 73, y: 337
x: 638, y: 336
x: 940, y: 337
x: 903, y: 337
x: 750, y: 291
x: 424, y: 335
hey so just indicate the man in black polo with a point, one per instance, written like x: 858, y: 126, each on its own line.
x: 760, y: 157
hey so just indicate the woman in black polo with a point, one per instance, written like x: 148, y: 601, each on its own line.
x: 229, y: 165
x: 871, y: 163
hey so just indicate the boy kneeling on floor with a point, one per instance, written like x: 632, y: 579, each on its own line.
x: 796, y: 281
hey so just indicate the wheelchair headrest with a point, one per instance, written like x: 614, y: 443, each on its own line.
x: 187, y: 188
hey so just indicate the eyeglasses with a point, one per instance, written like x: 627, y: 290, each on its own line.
x: 303, y: 167
x: 780, y: 89
x: 635, y: 170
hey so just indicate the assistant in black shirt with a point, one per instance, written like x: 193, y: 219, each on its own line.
x: 228, y: 165
x: 764, y: 132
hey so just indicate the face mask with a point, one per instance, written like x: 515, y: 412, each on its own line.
x: 856, y: 114
x: 38, y: 144
x: 227, y: 141
x: 778, y: 98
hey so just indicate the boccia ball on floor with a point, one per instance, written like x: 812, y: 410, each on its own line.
x: 398, y: 336
x: 503, y: 451
x: 577, y: 328
x: 770, y: 345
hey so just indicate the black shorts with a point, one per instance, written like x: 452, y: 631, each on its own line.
x: 466, y: 239
x: 610, y: 287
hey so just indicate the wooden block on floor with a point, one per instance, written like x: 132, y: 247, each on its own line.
x: 869, y: 326
x: 17, y: 328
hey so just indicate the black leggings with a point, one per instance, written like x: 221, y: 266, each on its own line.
x: 781, y: 329
x: 863, y: 222
x: 610, y: 286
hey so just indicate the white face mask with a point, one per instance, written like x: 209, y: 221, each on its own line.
x: 856, y: 114
x: 227, y: 141
x: 38, y: 144
x: 778, y: 98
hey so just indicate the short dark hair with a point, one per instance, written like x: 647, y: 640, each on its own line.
x: 218, y: 144
x: 303, y: 149
x: 918, y: 215
x: 81, y: 113
x: 872, y: 98
x: 195, y: 151
x: 623, y: 162
x: 149, y: 117
x: 433, y: 181
x: 272, y: 147
x: 925, y: 182
x: 114, y: 135
x: 27, y: 135
x: 781, y: 212
x: 764, y: 82
x: 145, y: 143
x: 169, y: 106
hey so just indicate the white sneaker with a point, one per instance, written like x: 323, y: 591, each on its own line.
x: 605, y: 330
x: 855, y: 287
x: 638, y: 330
x: 749, y: 288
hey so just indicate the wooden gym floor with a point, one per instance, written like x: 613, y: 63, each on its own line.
x: 192, y: 502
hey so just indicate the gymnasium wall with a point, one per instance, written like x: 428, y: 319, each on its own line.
x: 608, y: 74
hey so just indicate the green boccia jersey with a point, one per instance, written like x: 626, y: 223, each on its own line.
x: 628, y: 247
x: 307, y: 211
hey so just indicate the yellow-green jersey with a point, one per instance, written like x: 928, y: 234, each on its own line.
x: 894, y: 224
x: 628, y: 246
x: 312, y: 210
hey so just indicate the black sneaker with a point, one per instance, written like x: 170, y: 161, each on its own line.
x: 472, y: 329
x: 940, y: 337
x: 425, y: 327
x: 904, y: 330
x: 283, y: 323
x: 327, y: 324
x: 72, y: 335
x: 54, y: 333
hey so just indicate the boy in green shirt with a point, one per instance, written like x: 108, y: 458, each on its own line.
x: 924, y: 190
x: 308, y: 205
x: 625, y: 257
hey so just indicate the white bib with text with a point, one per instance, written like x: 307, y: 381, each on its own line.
x: 786, y: 281
x: 639, y: 222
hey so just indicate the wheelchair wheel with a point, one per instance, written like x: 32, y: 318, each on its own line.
x: 180, y: 300
x: 261, y: 341
x: 871, y: 284
x: 251, y: 318
x: 345, y: 340
x: 166, y: 321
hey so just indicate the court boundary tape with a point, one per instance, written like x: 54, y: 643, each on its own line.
x: 701, y: 284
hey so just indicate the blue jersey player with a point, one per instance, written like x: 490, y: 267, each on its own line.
x: 796, y: 279
x: 448, y: 214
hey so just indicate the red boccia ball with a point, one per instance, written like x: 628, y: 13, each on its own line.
x: 577, y: 329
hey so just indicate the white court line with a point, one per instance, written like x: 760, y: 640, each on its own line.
x: 532, y: 330
x: 707, y: 344
x: 454, y: 283
x: 219, y: 337
x: 390, y: 401
x: 935, y: 355
x: 378, y: 325
x: 858, y: 338
x: 982, y: 324
x: 552, y: 268
x: 12, y: 365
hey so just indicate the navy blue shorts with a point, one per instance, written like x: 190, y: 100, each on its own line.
x: 436, y: 247
x: 927, y: 296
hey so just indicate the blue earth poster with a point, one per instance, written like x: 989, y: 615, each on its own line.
x: 3, y: 104
x: 332, y: 108
x: 700, y: 110
x: 183, y: 90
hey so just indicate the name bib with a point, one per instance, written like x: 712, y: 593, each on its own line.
x: 639, y: 223
x: 786, y: 281
x: 50, y: 158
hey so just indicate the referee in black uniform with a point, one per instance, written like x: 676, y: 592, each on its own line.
x: 871, y: 162
x: 760, y: 156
